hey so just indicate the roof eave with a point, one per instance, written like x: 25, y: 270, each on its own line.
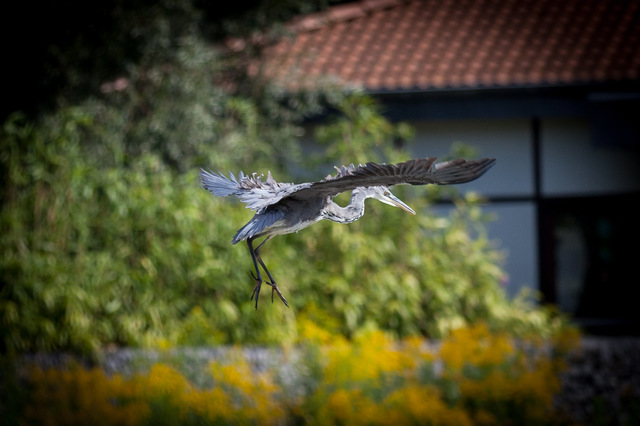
x: 586, y: 87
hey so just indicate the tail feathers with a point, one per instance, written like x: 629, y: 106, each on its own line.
x: 218, y: 184
x: 258, y: 225
x: 249, y: 230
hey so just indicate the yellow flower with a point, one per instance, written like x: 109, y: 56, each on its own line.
x: 476, y: 346
x: 417, y: 404
x: 166, y: 380
x: 80, y: 397
x: 310, y: 332
x: 249, y: 395
x: 372, y: 380
x: 349, y: 407
x: 367, y: 359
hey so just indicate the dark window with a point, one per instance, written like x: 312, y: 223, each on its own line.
x: 590, y: 260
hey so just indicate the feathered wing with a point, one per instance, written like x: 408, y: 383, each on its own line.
x: 414, y: 172
x: 218, y: 184
x: 257, y: 194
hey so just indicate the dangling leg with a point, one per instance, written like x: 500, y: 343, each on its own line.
x: 255, y: 256
x: 257, y: 276
x: 274, y: 286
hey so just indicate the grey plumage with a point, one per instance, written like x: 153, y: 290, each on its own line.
x: 282, y: 208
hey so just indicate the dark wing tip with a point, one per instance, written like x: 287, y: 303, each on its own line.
x: 421, y: 171
x: 460, y: 170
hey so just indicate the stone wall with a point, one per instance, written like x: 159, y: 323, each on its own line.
x: 602, y: 384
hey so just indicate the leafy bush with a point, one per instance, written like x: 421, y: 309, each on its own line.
x: 111, y: 241
x: 98, y: 255
x: 103, y: 248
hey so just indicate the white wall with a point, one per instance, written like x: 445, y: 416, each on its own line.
x: 573, y: 165
x: 510, y: 142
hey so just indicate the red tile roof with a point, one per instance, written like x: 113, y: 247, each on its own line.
x: 389, y: 45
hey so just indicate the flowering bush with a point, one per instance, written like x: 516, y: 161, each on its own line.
x: 82, y: 397
x: 472, y: 377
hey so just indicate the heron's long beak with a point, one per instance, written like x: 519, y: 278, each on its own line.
x: 395, y: 201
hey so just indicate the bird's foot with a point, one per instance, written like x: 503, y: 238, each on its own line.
x: 274, y: 287
x: 256, y: 289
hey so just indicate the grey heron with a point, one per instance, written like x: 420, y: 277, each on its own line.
x: 283, y: 208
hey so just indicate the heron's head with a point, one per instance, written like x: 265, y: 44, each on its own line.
x: 383, y: 194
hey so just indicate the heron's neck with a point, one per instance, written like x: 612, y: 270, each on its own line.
x: 352, y: 212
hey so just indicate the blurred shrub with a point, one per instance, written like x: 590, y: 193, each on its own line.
x: 473, y: 377
x: 104, y: 247
x: 111, y: 241
x: 109, y: 238
x: 401, y: 273
x: 195, y: 108
x: 96, y: 255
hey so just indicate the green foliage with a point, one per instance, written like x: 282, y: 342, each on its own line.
x: 406, y: 274
x: 97, y: 255
x: 99, y: 251
x: 196, y: 108
x: 111, y: 241
x: 360, y: 133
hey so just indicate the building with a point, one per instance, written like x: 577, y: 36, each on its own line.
x: 551, y: 89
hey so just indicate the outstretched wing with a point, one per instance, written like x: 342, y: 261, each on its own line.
x: 257, y: 194
x: 421, y: 171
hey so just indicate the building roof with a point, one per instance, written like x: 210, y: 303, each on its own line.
x: 396, y: 45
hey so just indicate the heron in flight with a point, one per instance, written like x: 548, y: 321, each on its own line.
x: 283, y: 208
